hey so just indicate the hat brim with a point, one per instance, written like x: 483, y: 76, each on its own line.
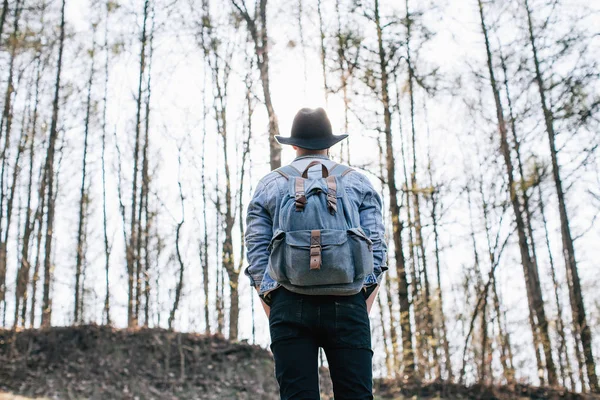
x: 312, y: 144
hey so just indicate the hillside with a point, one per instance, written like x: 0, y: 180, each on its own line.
x: 93, y: 362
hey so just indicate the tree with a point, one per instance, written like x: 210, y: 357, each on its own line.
x: 257, y: 26
x: 132, y: 256
x: 577, y: 305
x: 49, y: 179
x: 84, y: 197
x: 407, y: 344
x: 6, y: 125
x: 534, y: 293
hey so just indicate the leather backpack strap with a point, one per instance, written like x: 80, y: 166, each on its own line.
x: 300, y: 195
x: 334, y: 166
x: 331, y: 194
x: 315, y: 249
x: 287, y: 170
x: 324, y: 170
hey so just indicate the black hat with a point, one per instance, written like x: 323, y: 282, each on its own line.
x: 311, y: 130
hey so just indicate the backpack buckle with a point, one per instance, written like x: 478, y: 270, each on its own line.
x: 300, y: 201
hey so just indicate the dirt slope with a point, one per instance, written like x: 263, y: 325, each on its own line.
x: 104, y: 363
x: 93, y: 362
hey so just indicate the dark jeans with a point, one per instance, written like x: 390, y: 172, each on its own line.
x: 300, y: 324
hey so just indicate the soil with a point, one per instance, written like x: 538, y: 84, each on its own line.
x: 100, y: 362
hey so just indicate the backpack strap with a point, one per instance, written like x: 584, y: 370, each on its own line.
x: 300, y: 195
x: 340, y: 169
x: 332, y: 186
x: 288, y: 170
x: 315, y: 249
x: 324, y: 170
x: 331, y: 194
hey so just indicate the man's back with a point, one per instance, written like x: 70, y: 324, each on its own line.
x: 263, y: 219
x: 300, y: 323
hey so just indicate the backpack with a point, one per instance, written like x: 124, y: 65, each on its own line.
x: 319, y: 248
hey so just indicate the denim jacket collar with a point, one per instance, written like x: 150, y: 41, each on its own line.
x: 312, y: 156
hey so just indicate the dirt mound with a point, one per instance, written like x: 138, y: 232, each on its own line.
x: 97, y: 362
x: 94, y: 362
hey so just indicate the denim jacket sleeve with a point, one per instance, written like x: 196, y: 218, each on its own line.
x: 371, y: 221
x: 259, y: 230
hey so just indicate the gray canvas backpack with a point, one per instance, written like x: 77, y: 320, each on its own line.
x: 319, y: 247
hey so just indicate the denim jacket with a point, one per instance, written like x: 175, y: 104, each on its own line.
x: 262, y: 219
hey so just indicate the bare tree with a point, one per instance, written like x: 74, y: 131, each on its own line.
x: 132, y: 256
x: 29, y: 225
x: 5, y: 127
x: 84, y: 197
x: 407, y: 344
x: 107, y: 247
x: 257, y: 26
x: 205, y: 259
x: 179, y: 286
x: 577, y: 305
x: 49, y: 178
x: 323, y: 50
x: 534, y: 292
x: 3, y: 18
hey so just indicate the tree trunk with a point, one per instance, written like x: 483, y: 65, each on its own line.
x: 430, y: 342
x: 19, y: 287
x: 261, y: 48
x: 39, y: 220
x: 394, y: 363
x: 407, y: 350
x: 24, y: 270
x: 205, y: 259
x: 477, y: 270
x: 302, y: 46
x: 577, y: 304
x: 525, y: 196
x: 144, y: 232
x: 506, y: 357
x: 3, y: 18
x: 415, y: 283
x: 444, y: 336
x: 245, y: 157
x: 49, y: 176
x: 7, y: 121
x: 323, y: 51
x: 346, y: 70
x: 179, y: 287
x: 560, y: 325
x: 107, y: 247
x: 83, y: 200
x: 132, y: 317
x: 532, y: 281
x: 389, y: 362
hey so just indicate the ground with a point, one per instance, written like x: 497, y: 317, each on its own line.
x: 95, y: 362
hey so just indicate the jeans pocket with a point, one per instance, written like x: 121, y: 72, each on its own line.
x: 352, y: 325
x: 285, y: 317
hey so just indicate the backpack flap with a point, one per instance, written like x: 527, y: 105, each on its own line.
x: 313, y: 258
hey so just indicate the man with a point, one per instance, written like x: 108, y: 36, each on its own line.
x: 300, y: 323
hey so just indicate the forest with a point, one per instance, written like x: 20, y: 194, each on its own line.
x: 133, y: 134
